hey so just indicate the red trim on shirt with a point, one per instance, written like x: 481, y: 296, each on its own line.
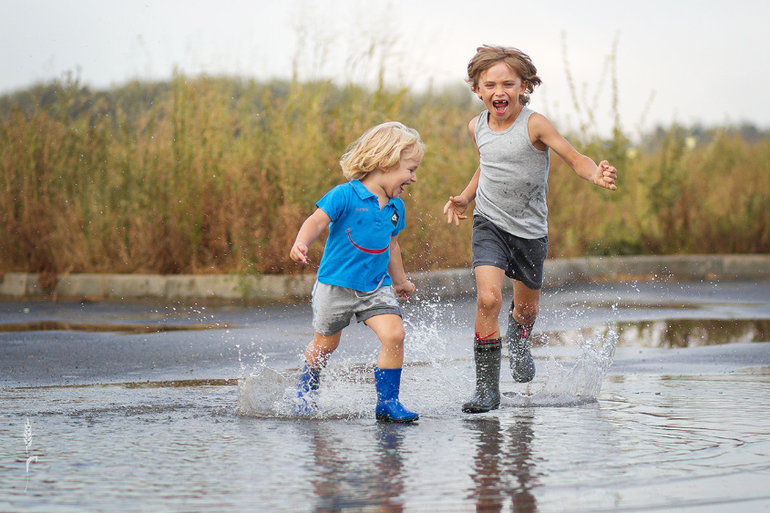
x: 371, y: 251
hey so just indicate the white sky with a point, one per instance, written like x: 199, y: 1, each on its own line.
x: 702, y: 61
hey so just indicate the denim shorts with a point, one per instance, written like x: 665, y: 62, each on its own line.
x: 334, y: 307
x: 521, y: 259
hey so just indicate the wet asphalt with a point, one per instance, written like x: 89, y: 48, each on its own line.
x: 55, y: 343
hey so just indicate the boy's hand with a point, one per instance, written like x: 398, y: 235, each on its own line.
x: 454, y: 209
x: 299, y: 253
x: 606, y: 176
x: 404, y: 290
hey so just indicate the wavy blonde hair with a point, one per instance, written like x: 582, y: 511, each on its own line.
x: 381, y: 147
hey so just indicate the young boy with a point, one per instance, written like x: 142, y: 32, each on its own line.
x: 510, y: 230
x: 361, y: 267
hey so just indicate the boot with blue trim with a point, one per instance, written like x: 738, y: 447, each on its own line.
x: 307, y: 389
x: 389, y: 409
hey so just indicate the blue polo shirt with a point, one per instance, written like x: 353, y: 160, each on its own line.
x: 357, y: 250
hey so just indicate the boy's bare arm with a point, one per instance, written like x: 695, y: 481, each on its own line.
x: 456, y: 206
x: 402, y: 287
x: 310, y: 230
x: 603, y: 175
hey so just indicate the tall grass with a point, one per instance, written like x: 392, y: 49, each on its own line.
x: 215, y: 175
x: 676, y: 199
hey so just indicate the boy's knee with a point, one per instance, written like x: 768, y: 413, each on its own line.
x: 526, y: 314
x: 394, y: 337
x: 489, y: 301
x: 317, y: 353
x: 321, y: 344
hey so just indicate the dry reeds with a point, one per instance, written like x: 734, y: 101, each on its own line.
x: 215, y: 175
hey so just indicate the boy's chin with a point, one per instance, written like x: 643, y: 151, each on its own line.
x: 500, y: 113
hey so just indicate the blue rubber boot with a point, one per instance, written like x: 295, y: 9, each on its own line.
x: 520, y: 357
x: 389, y: 409
x: 307, y: 386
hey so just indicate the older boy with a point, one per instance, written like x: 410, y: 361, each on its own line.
x: 510, y: 230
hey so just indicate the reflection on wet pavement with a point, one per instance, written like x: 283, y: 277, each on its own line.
x: 134, y: 407
x: 99, y: 327
x: 671, y: 333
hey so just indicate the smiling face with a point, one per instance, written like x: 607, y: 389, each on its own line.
x: 394, y: 179
x: 500, y: 88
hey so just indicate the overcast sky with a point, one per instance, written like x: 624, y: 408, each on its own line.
x: 685, y: 61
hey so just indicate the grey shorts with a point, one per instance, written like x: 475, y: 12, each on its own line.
x: 334, y: 307
x: 521, y: 259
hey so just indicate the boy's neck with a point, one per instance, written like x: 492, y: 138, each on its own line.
x: 497, y: 125
x: 372, y: 184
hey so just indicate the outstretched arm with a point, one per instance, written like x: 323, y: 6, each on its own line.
x: 456, y: 206
x: 542, y: 132
x: 402, y: 287
x: 310, y: 230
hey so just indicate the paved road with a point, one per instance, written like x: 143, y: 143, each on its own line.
x: 77, y: 342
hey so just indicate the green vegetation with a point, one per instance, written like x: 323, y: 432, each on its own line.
x: 215, y: 175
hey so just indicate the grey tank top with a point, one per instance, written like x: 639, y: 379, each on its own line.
x: 514, y: 178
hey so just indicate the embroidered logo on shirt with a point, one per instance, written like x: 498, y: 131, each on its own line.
x: 365, y: 250
x: 394, y: 219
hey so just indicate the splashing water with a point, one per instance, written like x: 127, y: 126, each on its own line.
x: 261, y: 392
x: 346, y: 391
x: 436, y: 381
x: 580, y: 383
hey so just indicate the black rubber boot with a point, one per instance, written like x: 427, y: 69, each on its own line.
x: 486, y: 354
x: 516, y: 338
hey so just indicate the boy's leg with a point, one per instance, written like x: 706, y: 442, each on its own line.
x: 521, y: 319
x: 390, y: 330
x: 526, y: 303
x: 387, y: 376
x: 317, y: 354
x: 489, y: 300
x: 320, y: 349
x: 487, y: 343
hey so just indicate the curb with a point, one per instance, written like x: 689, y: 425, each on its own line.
x: 453, y: 282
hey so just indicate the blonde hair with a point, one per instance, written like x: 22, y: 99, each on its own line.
x: 519, y: 62
x: 381, y: 147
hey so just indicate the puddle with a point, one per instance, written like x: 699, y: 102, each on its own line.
x: 93, y: 327
x: 679, y: 421
x: 179, y: 383
x: 672, y: 333
x: 172, y: 448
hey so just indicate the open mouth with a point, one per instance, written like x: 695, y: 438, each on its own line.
x: 500, y: 106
